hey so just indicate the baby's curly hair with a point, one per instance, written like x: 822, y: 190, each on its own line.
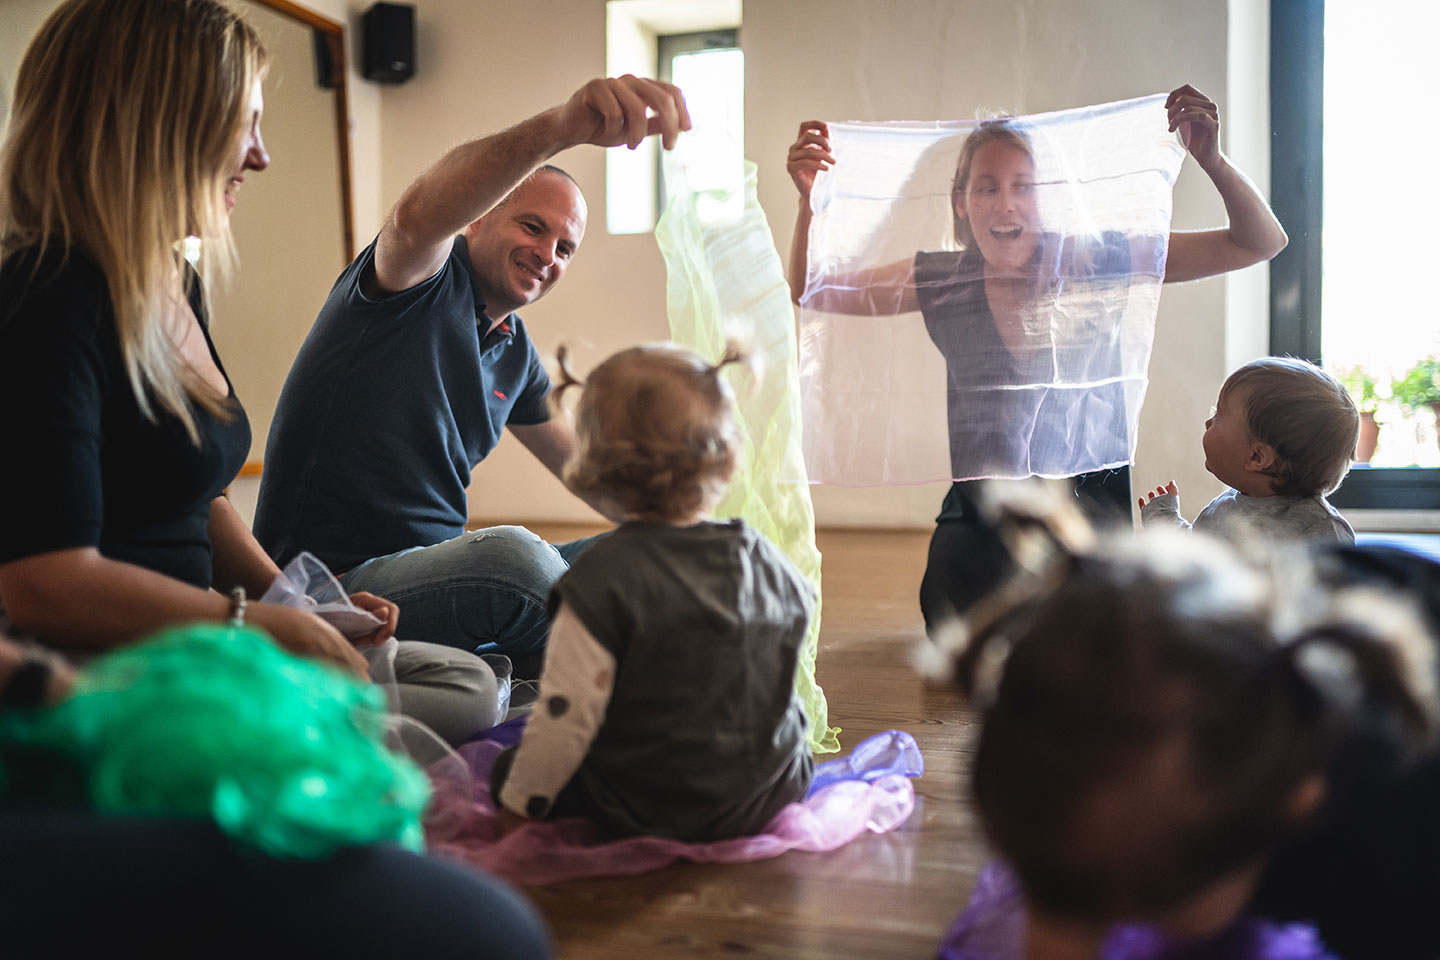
x: 656, y: 430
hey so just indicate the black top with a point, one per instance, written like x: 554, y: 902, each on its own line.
x: 1035, y: 408
x: 85, y: 468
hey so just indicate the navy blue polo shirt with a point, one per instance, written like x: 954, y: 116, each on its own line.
x: 389, y: 406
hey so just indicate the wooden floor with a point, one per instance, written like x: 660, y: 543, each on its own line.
x: 881, y: 896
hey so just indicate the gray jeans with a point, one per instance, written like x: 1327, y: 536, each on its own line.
x: 453, y: 692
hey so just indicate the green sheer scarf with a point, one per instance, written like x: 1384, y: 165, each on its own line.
x: 725, y: 280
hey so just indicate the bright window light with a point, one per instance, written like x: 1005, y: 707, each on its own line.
x: 649, y: 38
x: 714, y: 85
x: 1381, y: 209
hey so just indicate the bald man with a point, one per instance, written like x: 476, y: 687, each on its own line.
x: 418, y: 361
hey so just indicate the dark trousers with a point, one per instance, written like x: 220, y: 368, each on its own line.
x: 967, y: 557
x: 85, y: 885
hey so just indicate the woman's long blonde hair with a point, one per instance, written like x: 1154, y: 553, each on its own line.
x: 125, y: 118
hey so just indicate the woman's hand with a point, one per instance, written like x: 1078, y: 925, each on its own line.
x: 306, y: 635
x: 381, y: 608
x: 1198, y: 119
x: 1253, y: 234
x: 1159, y: 492
x: 809, y: 154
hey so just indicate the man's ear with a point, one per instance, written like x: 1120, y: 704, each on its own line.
x: 1262, y: 458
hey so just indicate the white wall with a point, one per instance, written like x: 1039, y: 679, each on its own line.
x: 19, y: 19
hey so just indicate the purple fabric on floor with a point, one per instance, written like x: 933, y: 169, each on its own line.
x: 877, y: 796
x: 506, y: 734
x: 993, y: 928
x: 885, y: 754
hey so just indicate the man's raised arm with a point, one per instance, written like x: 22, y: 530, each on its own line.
x: 472, y: 178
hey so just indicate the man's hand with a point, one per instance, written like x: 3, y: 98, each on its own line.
x: 625, y: 110
x: 381, y: 608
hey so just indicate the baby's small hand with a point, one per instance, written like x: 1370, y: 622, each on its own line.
x: 1159, y: 492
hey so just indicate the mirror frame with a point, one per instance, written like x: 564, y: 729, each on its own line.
x: 333, y: 34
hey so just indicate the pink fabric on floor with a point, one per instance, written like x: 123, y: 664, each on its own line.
x: 549, y: 852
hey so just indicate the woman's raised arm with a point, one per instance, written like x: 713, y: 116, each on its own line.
x: 1253, y: 235
x: 879, y: 291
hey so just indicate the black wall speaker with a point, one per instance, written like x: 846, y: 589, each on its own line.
x: 389, y: 42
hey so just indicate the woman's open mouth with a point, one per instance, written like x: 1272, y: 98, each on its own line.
x: 1006, y: 233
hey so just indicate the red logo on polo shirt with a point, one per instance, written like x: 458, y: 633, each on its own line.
x: 498, y: 394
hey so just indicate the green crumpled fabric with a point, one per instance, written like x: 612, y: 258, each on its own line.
x: 286, y: 755
x: 725, y: 280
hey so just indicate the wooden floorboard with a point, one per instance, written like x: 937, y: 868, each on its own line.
x: 879, y: 897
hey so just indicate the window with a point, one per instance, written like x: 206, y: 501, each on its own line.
x: 695, y: 45
x: 1352, y: 187
x: 710, y: 69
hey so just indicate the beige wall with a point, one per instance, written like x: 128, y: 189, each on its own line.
x: 19, y: 19
x: 484, y: 66
x: 287, y: 227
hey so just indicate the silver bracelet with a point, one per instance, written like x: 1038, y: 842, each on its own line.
x: 237, y: 608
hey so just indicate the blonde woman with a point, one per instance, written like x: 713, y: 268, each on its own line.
x: 135, y: 123
x: 972, y: 301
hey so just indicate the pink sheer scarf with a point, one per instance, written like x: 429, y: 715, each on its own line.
x: 868, y: 790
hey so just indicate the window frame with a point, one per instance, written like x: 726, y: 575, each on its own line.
x: 671, y: 45
x: 1297, y: 164
x: 668, y: 46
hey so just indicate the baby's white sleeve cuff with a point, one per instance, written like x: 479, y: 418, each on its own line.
x: 1163, y: 511
x: 575, y: 688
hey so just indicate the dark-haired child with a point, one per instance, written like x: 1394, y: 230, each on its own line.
x: 667, y: 702
x: 1173, y: 737
x: 1281, y: 438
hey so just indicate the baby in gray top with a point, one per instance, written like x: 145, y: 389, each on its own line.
x: 1282, y: 437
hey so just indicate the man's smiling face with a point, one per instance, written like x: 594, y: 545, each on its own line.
x: 522, y: 247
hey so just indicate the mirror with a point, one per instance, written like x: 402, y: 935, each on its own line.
x: 292, y: 223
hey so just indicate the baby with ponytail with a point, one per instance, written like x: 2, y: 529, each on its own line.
x: 666, y: 703
x: 1174, y: 736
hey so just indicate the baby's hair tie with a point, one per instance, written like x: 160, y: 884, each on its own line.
x: 567, y: 378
